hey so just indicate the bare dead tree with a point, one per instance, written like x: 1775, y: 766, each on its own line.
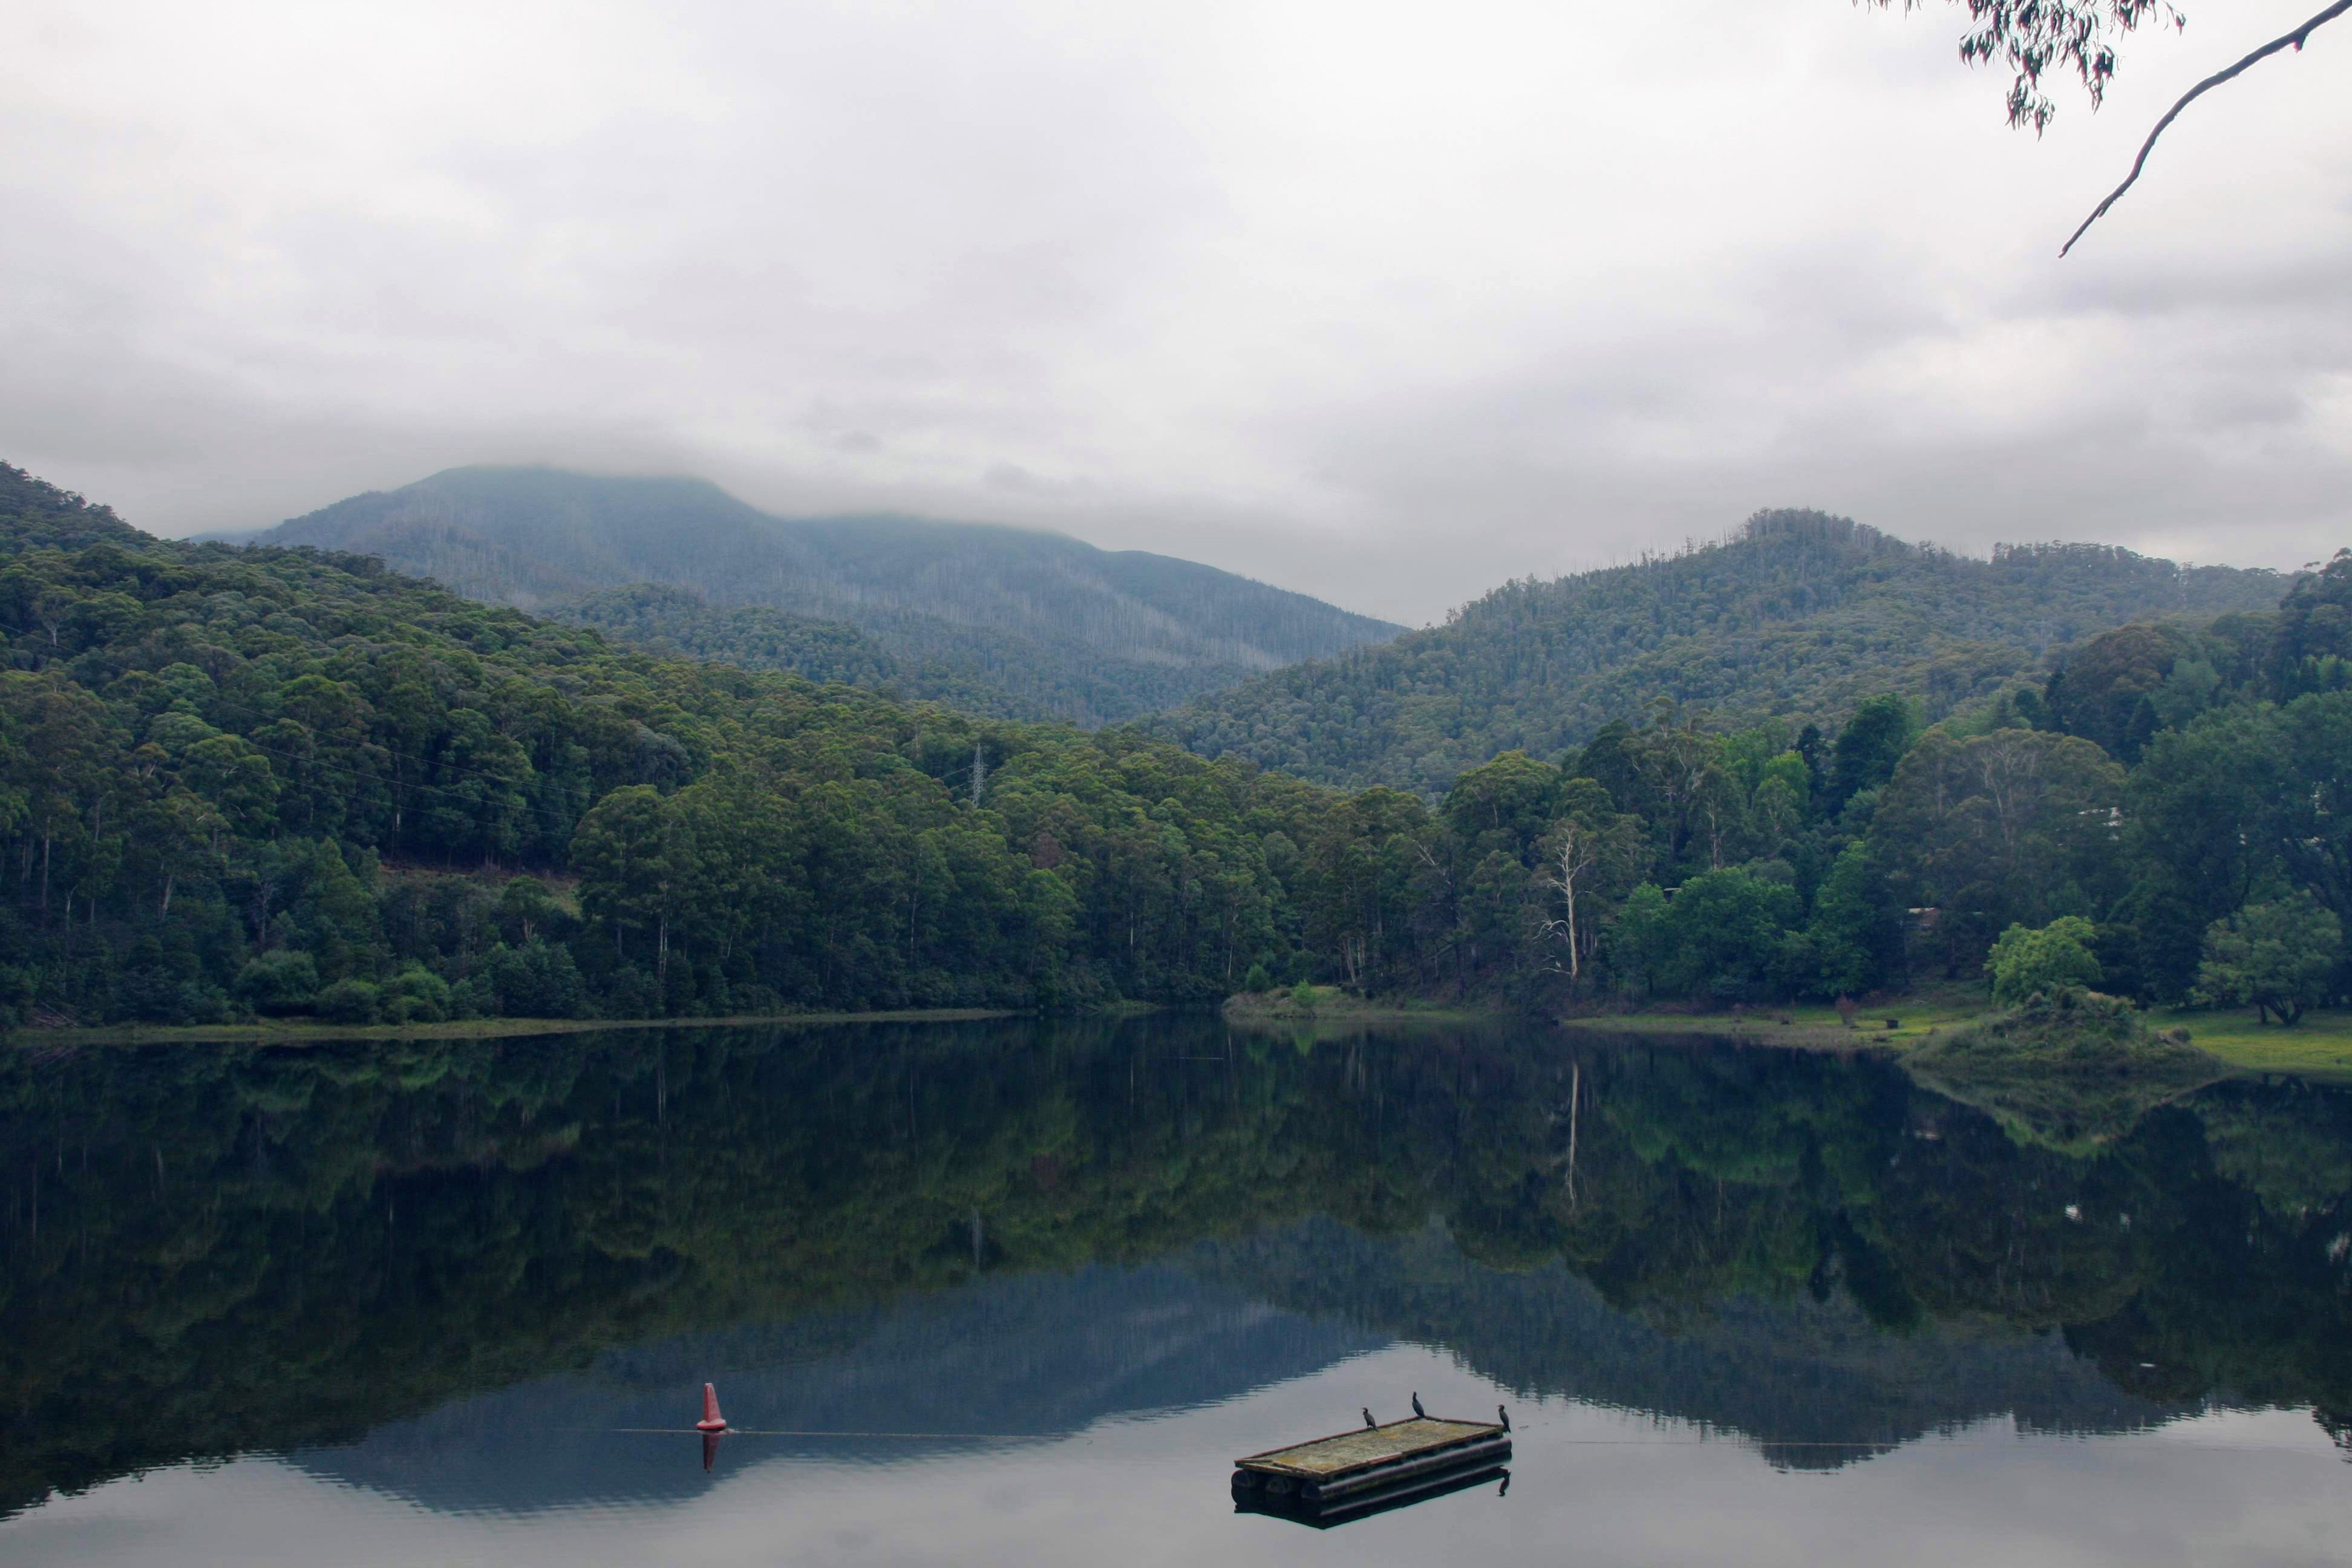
x: 1576, y: 852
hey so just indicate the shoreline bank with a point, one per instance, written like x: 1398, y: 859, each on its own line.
x: 1331, y: 1005
x: 280, y: 1032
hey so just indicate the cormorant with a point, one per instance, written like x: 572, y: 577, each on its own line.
x: 1506, y: 1416
x: 1368, y: 1416
x: 1417, y: 1410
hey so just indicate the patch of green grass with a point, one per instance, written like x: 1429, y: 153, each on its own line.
x: 1333, y: 1005
x: 2320, y: 1045
x: 1814, y: 1025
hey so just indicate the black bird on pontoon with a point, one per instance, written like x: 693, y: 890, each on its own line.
x: 1417, y: 1410
x: 1368, y: 1416
x: 1505, y: 1416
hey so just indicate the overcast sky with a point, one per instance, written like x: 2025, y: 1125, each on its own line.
x: 1385, y: 303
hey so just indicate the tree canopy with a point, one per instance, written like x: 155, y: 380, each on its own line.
x: 1013, y: 623
x: 1799, y: 617
x: 288, y: 783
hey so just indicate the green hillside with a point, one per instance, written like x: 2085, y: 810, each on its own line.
x: 678, y: 623
x: 1802, y: 614
x: 1002, y: 620
x: 291, y: 782
x: 268, y: 782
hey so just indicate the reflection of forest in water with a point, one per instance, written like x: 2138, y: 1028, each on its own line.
x: 208, y: 1250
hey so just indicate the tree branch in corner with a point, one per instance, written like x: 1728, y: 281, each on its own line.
x: 2285, y: 41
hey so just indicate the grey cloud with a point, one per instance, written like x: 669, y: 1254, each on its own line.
x: 1379, y: 307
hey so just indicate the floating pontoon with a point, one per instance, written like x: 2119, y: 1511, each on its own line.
x: 1351, y: 1474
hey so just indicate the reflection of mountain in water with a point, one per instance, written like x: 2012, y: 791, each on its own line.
x: 213, y: 1251
x: 1028, y: 1356
x: 1813, y: 1382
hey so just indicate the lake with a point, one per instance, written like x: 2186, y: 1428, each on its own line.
x: 1021, y: 1292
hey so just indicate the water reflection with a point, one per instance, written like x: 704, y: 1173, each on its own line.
x: 461, y: 1274
x: 1318, y: 1515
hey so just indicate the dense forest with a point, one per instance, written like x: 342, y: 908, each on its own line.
x: 2167, y: 817
x: 289, y: 783
x: 1004, y: 621
x: 285, y: 781
x: 1800, y: 616
x: 325, y: 1229
x: 675, y: 623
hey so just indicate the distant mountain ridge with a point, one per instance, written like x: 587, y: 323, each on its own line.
x: 1002, y: 620
x: 1799, y: 614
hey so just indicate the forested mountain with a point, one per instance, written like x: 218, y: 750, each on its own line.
x: 1801, y: 615
x: 1008, y: 621
x: 2172, y: 809
x: 288, y: 782
x: 679, y: 623
x: 269, y: 780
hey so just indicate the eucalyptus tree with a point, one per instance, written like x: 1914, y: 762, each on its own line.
x: 2039, y: 38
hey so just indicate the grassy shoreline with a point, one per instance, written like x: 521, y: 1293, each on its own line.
x: 1812, y: 1025
x: 285, y: 1032
x: 2318, y: 1047
x: 1333, y: 1005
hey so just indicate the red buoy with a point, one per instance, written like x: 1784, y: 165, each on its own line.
x: 711, y: 1420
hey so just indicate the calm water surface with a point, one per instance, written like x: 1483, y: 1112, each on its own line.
x: 1021, y: 1293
